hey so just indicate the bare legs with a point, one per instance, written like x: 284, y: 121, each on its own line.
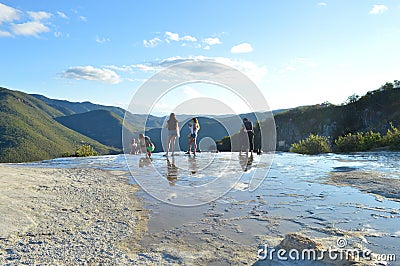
x: 171, y: 141
x: 192, y: 141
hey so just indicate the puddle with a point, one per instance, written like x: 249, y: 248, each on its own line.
x: 292, y: 198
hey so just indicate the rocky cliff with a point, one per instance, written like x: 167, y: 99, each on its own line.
x: 373, y: 111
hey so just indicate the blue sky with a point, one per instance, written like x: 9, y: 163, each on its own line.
x: 297, y: 52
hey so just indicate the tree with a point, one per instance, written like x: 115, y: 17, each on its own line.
x: 352, y: 99
x: 387, y: 86
x: 397, y: 84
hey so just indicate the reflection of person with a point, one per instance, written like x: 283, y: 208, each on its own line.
x: 194, y: 128
x: 145, y: 145
x: 134, y: 146
x: 144, y: 162
x: 250, y: 133
x: 172, y: 172
x: 245, y: 162
x: 173, y: 133
x: 192, y: 165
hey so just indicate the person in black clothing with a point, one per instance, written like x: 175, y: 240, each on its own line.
x: 250, y: 133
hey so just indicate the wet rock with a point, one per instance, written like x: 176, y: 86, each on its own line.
x: 299, y: 242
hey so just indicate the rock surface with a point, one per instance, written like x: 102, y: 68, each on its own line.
x: 67, y: 216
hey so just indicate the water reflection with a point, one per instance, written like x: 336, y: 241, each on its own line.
x: 293, y: 193
x: 193, y: 168
x: 245, y: 162
x: 172, y: 171
x: 143, y: 162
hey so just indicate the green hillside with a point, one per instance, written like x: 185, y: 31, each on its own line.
x: 69, y: 108
x: 28, y: 131
x: 101, y: 125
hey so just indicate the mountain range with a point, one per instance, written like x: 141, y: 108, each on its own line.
x: 30, y: 132
x: 34, y: 127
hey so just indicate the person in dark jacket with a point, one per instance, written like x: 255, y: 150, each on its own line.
x: 248, y: 125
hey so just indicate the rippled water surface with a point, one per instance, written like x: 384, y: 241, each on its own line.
x: 293, y: 193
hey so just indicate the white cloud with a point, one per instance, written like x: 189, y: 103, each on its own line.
x: 152, y: 43
x: 120, y: 68
x: 188, y: 38
x: 5, y: 34
x: 242, y: 48
x: 170, y: 36
x: 146, y: 67
x: 93, y: 74
x: 82, y: 18
x: 254, y: 71
x: 62, y: 15
x: 32, y: 28
x: 212, y: 41
x: 8, y: 14
x: 378, y: 9
x: 184, y: 41
x: 102, y: 39
x: 38, y: 16
x: 322, y: 4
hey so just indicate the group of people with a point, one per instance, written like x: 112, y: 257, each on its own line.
x: 173, y: 133
x: 144, y: 143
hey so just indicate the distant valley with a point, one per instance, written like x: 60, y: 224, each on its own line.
x: 34, y: 127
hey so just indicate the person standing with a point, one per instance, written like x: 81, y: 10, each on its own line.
x: 173, y: 133
x: 134, y: 146
x: 194, y: 127
x: 250, y: 133
x: 243, y: 140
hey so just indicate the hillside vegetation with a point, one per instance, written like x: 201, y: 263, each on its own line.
x: 101, y: 125
x: 34, y: 127
x: 374, y: 111
x: 28, y: 131
x: 69, y: 108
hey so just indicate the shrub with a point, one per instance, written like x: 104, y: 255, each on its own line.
x: 358, y: 142
x: 369, y: 140
x: 347, y: 143
x: 392, y: 138
x: 85, y: 150
x: 314, y: 144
